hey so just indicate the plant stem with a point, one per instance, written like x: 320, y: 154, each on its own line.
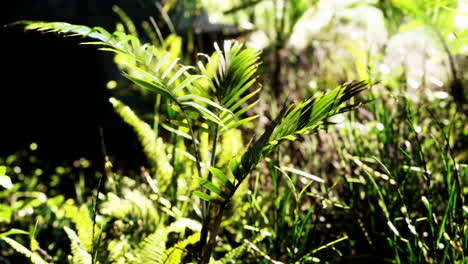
x: 156, y: 115
x: 213, y: 149
x: 206, y: 222
x: 208, y: 248
x: 95, y: 248
x: 197, y: 154
x: 204, y: 232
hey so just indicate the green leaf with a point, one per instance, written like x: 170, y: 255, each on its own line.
x: 212, y: 187
x: 202, y: 110
x: 177, y: 132
x: 207, y: 197
x: 13, y: 231
x: 302, y: 173
x: 233, y: 164
x: 194, y: 97
x: 239, y: 123
x: 35, y: 259
x: 6, y: 213
x: 169, y: 68
x: 155, y: 88
x: 161, y: 62
x: 184, y: 124
x: 178, y: 74
x: 151, y: 249
x: 222, y: 178
x: 187, y: 82
x: 242, y: 100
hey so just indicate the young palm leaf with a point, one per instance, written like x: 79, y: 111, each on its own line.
x: 152, y: 68
x: 303, y: 118
x: 294, y: 119
x: 231, y: 73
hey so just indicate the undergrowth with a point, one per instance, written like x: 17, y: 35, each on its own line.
x: 231, y: 177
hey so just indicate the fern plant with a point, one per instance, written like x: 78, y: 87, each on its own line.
x: 34, y: 257
x: 207, y: 101
x: 152, y: 249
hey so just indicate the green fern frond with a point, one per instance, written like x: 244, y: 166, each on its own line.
x: 117, y: 251
x: 33, y: 257
x: 83, y: 224
x: 174, y: 254
x: 134, y: 207
x: 79, y: 253
x: 234, y: 254
x: 151, y: 249
x: 154, y: 148
x: 308, y: 116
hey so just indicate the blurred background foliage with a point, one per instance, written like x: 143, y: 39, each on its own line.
x: 394, y: 174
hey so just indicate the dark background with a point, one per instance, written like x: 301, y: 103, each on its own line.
x: 52, y: 90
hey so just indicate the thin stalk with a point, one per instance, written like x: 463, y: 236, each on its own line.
x: 422, y: 161
x: 208, y: 248
x: 213, y: 149
x: 198, y: 161
x: 276, y: 211
x: 96, y: 195
x: 95, y: 248
x: 194, y: 145
x: 156, y: 116
x: 205, y: 224
x: 450, y: 152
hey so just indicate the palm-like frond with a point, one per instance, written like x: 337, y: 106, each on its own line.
x: 154, y: 69
x: 133, y: 207
x: 296, y: 119
x: 231, y: 73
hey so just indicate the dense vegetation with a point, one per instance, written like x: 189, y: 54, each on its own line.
x: 329, y: 131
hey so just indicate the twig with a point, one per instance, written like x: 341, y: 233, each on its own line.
x: 256, y: 249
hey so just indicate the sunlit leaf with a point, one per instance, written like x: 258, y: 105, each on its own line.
x: 211, y: 186
x: 207, y: 197
x: 222, y: 178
